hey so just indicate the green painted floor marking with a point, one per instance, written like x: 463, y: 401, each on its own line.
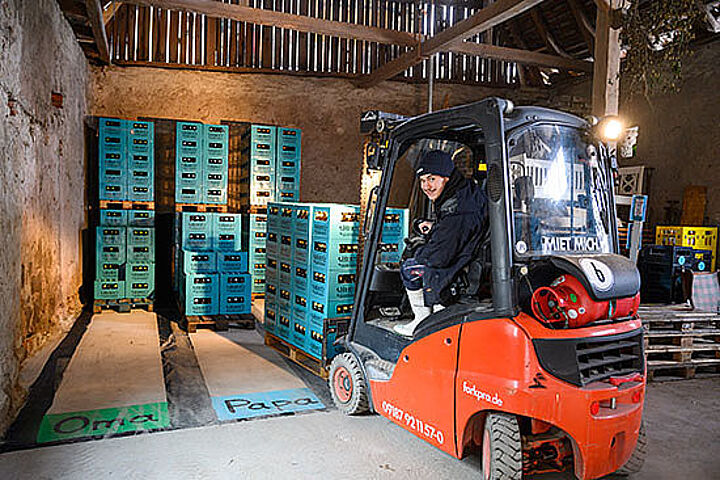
x: 105, y: 422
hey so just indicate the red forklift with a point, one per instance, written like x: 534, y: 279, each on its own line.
x: 536, y: 362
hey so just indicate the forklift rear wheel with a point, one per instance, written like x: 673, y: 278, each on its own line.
x: 501, y: 448
x: 637, y: 459
x: 347, y: 385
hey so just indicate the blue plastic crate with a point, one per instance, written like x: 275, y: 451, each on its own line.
x: 200, y: 294
x: 141, y: 236
x: 301, y: 251
x: 216, y: 164
x: 199, y: 262
x: 285, y: 273
x: 330, y: 309
x: 301, y: 280
x: 227, y: 231
x: 188, y: 195
x: 284, y: 296
x: 110, y: 272
x: 289, y: 137
x: 140, y: 289
x: 216, y: 133
x: 333, y: 286
x: 229, y: 262
x: 338, y: 254
x: 139, y: 128
x: 302, y: 220
x: 141, y: 218
x: 334, y: 221
x: 288, y: 166
x: 258, y: 286
x: 140, y: 272
x: 112, y: 190
x: 140, y: 253
x: 112, y: 158
x: 285, y: 246
x: 107, y: 235
x: 189, y: 131
x: 215, y: 196
x: 109, y: 290
x: 140, y: 193
x: 270, y: 317
x: 111, y: 126
x: 110, y: 253
x: 113, y: 218
x: 298, y: 333
x: 235, y: 290
x: 140, y: 145
x: 283, y: 321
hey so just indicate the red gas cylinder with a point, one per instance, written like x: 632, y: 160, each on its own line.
x: 566, y: 303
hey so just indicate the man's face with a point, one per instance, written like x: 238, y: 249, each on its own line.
x: 432, y: 185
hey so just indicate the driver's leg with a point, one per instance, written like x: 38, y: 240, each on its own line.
x: 412, y: 274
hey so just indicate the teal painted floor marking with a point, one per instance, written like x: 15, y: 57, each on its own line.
x: 261, y: 404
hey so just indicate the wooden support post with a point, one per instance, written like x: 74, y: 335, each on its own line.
x: 606, y: 72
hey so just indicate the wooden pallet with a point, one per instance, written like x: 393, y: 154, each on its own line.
x: 193, y: 322
x: 123, y: 305
x: 200, y: 207
x: 680, y: 342
x: 126, y: 205
x: 297, y: 355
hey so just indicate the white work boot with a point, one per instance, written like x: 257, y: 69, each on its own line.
x: 421, y: 312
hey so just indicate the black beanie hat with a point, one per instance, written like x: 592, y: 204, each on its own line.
x: 435, y: 162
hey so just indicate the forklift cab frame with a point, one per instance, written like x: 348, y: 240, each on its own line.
x: 480, y: 125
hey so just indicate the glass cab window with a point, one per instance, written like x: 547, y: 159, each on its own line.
x: 560, y: 195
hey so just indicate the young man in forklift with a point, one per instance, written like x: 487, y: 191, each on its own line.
x: 430, y: 266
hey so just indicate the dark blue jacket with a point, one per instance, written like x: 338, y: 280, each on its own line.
x: 461, y: 220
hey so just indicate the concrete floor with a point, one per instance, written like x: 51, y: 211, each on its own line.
x: 682, y: 420
x: 682, y: 417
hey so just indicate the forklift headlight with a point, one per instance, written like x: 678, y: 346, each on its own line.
x: 610, y: 129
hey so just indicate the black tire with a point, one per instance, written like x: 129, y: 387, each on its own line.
x: 637, y: 459
x: 502, y: 450
x: 347, y: 385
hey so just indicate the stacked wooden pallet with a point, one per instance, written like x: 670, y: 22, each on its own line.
x: 680, y: 342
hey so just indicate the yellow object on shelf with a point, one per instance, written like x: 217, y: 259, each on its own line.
x: 699, y: 238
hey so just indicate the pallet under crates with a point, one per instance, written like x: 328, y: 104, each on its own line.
x: 680, y: 342
x: 124, y: 305
x: 332, y: 329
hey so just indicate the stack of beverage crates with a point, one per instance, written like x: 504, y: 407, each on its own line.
x: 312, y: 254
x: 211, y: 268
x: 201, y: 163
x: 660, y: 269
x: 125, y: 255
x: 125, y: 238
x: 697, y: 238
x: 269, y: 170
x: 126, y: 163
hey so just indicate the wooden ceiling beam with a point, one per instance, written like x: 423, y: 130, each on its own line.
x: 546, y: 35
x: 110, y: 12
x: 583, y: 24
x: 488, y: 17
x: 271, y: 18
x: 94, y: 12
x: 524, y: 57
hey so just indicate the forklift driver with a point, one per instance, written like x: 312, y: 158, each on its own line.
x: 460, y: 208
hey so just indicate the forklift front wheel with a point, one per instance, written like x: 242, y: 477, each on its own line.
x: 347, y: 385
x: 501, y: 448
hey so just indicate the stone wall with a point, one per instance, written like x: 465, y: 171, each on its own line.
x: 42, y: 175
x: 680, y: 135
x: 327, y: 110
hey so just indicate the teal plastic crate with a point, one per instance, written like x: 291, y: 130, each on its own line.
x: 109, y: 290
x: 141, y: 218
x: 110, y: 235
x: 110, y: 253
x: 141, y: 236
x: 270, y: 317
x: 331, y: 222
x: 232, y: 262
x: 215, y: 196
x: 332, y: 286
x: 337, y: 254
x: 141, y: 253
x: 199, y: 262
x: 141, y: 160
x: 111, y: 190
x: 201, y: 294
x: 109, y: 272
x: 113, y: 218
